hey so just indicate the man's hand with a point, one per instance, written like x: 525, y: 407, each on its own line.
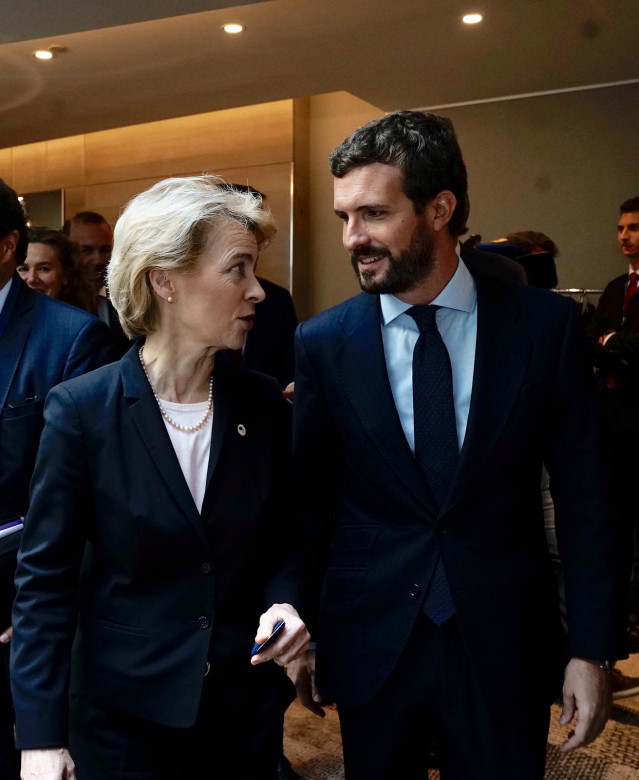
x: 302, y: 672
x: 5, y: 636
x: 586, y: 691
x: 47, y: 764
x: 290, y: 643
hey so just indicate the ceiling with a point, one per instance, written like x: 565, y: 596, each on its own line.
x: 131, y: 62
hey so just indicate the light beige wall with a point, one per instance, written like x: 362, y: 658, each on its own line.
x: 101, y: 171
x: 332, y: 118
x: 561, y: 164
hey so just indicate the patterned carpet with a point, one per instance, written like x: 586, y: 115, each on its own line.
x: 313, y: 746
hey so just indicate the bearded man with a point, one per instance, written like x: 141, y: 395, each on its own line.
x: 424, y: 409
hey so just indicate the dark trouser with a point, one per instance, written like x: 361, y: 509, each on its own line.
x: 109, y: 744
x: 9, y: 756
x: 622, y: 457
x: 432, y: 700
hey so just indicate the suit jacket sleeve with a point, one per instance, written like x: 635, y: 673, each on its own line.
x: 91, y: 348
x: 47, y: 577
x: 285, y: 561
x: 587, y: 532
x: 622, y: 347
x: 316, y: 449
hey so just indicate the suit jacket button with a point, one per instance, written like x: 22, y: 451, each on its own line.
x: 205, y: 568
x: 415, y: 591
x: 204, y: 622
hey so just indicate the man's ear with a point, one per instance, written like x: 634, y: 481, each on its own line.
x: 8, y: 246
x: 443, y: 207
x: 162, y: 284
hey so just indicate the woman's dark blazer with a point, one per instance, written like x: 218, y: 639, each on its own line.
x: 159, y: 583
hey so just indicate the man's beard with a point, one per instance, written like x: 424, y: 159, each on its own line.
x: 405, y: 270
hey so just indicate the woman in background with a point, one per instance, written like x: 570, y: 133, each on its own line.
x: 53, y: 266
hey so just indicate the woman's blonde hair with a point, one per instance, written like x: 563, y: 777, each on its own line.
x: 168, y: 227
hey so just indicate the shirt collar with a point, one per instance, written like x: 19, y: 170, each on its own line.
x: 4, y: 293
x: 460, y: 293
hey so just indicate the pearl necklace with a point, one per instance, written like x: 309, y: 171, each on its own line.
x: 164, y: 413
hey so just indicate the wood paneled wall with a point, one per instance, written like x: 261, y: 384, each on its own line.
x: 102, y: 171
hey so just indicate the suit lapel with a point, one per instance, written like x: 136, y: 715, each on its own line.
x: 221, y: 406
x: 362, y: 370
x: 18, y: 310
x: 150, y: 425
x: 501, y: 358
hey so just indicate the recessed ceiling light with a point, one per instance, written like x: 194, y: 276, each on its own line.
x: 233, y: 29
x: 472, y: 18
x: 50, y: 53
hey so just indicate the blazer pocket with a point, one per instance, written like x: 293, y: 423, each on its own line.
x: 31, y: 408
x: 343, y: 584
x: 352, y: 538
x: 121, y: 628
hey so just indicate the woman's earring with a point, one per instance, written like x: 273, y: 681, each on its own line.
x: 169, y: 299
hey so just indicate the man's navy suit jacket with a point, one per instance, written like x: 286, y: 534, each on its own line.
x: 269, y: 344
x: 620, y: 354
x: 373, y: 528
x: 43, y: 343
x: 161, y: 587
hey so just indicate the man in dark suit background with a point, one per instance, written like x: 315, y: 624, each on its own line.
x: 614, y: 335
x: 438, y: 617
x: 42, y: 343
x: 93, y: 235
x: 269, y: 346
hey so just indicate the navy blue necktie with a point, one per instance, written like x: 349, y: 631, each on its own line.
x: 436, y: 445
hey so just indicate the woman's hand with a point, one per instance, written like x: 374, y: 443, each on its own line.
x: 292, y: 641
x: 47, y: 764
x: 5, y: 636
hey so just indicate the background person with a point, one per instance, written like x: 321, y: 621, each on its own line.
x: 269, y: 345
x: 93, y: 234
x: 42, y: 343
x: 614, y: 337
x: 168, y: 474
x: 52, y: 266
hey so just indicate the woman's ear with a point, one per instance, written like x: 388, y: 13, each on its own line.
x: 162, y: 284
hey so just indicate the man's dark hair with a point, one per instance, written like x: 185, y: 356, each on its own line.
x: 632, y: 204
x: 529, y: 241
x: 425, y: 149
x: 12, y: 217
x: 86, y: 218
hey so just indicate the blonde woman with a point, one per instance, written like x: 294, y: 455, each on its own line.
x: 166, y: 477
